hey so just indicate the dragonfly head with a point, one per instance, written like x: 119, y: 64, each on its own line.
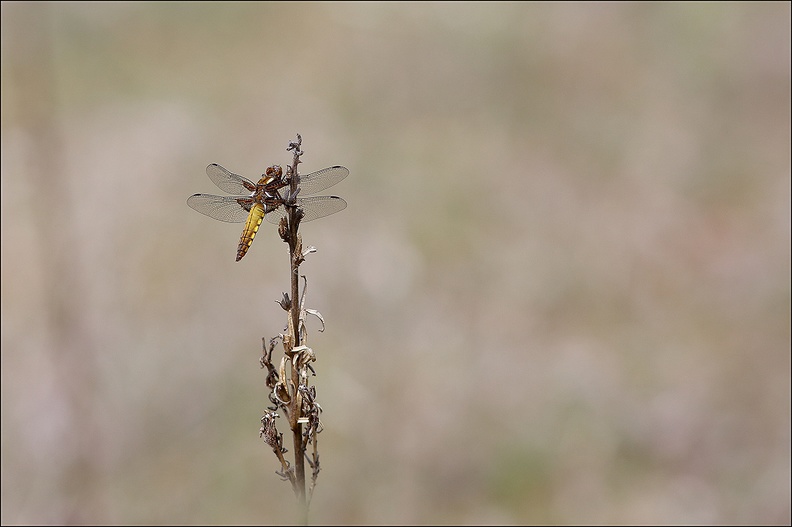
x: 274, y: 172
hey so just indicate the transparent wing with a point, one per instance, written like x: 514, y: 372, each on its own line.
x: 321, y: 179
x: 233, y: 209
x: 228, y: 181
x: 314, y: 207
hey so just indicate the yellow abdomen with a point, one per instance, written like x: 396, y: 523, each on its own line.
x: 254, y: 219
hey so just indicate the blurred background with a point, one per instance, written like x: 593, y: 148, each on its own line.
x: 560, y: 292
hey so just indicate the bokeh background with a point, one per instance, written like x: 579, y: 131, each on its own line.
x: 560, y: 292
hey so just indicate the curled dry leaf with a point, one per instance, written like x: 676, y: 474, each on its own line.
x: 281, y: 391
x: 318, y: 315
x: 268, y: 429
x: 285, y: 302
x: 302, y: 356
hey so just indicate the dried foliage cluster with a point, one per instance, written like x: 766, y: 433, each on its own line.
x: 291, y: 394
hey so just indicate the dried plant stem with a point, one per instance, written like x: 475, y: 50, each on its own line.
x: 295, y: 258
x: 290, y: 392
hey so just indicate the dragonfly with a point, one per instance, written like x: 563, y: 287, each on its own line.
x: 254, y: 202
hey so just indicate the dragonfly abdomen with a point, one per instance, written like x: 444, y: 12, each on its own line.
x: 254, y: 219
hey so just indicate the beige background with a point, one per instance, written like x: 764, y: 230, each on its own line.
x: 560, y: 292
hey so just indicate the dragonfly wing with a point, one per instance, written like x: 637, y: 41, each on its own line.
x: 322, y: 179
x: 314, y: 208
x: 228, y: 181
x: 233, y: 209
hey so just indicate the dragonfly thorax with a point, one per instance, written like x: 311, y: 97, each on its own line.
x: 271, y: 178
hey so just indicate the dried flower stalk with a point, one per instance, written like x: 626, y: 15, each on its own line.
x: 290, y: 394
